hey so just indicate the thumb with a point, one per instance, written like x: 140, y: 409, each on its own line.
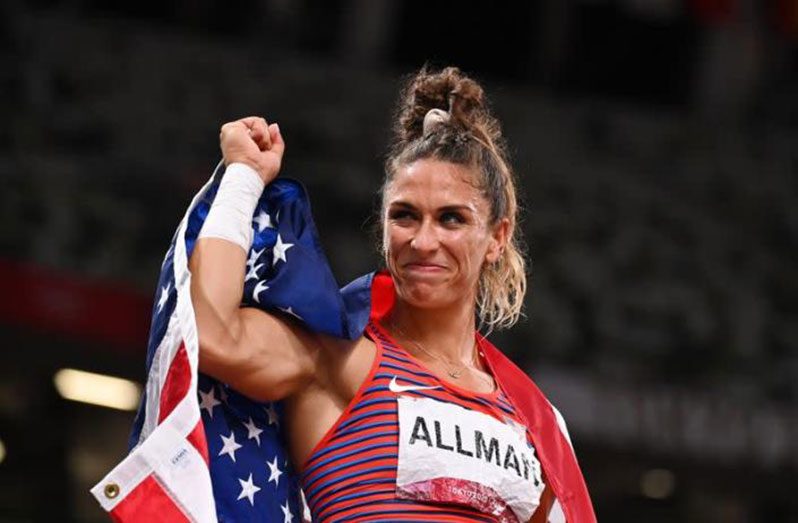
x: 278, y: 144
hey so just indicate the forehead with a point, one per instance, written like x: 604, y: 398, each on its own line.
x: 435, y: 183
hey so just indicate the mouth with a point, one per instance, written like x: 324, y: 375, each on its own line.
x: 423, y: 267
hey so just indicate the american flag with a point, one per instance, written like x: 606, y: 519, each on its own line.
x: 199, y: 451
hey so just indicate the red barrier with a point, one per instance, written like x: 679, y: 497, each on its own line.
x: 83, y: 309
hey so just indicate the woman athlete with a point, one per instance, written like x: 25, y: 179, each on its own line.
x: 408, y: 421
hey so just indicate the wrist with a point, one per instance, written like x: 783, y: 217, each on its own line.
x: 247, y: 173
x: 230, y: 215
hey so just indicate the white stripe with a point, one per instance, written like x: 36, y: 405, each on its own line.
x: 556, y: 514
x: 157, y: 376
x: 561, y: 424
x: 166, y: 452
x: 166, y: 350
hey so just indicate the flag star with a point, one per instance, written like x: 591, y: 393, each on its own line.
x: 259, y: 287
x: 263, y: 220
x: 248, y: 490
x: 287, y: 516
x: 274, y: 472
x: 253, y: 432
x: 230, y: 446
x: 208, y: 401
x: 164, y: 296
x: 280, y: 249
x: 289, y: 310
x: 253, y: 257
x: 272, y: 413
x: 253, y: 272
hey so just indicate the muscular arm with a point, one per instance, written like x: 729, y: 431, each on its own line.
x: 262, y: 356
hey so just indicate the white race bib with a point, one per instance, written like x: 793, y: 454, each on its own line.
x: 450, y: 454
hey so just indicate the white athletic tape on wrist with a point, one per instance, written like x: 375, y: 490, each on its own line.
x: 230, y: 215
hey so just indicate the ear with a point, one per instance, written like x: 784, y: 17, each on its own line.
x: 497, y: 242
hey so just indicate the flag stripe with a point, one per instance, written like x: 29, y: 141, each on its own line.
x: 148, y: 502
x: 177, y: 383
x: 199, y: 441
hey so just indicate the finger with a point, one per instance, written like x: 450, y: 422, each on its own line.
x: 230, y: 127
x: 256, y: 134
x: 260, y: 134
x: 250, y: 121
x: 278, y: 144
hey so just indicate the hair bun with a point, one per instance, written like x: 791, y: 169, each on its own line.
x: 447, y: 90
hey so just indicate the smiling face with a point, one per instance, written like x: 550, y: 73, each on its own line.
x: 436, y: 233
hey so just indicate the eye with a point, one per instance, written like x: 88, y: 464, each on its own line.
x: 451, y: 218
x: 400, y: 215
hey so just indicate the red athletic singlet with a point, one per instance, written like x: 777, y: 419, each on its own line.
x: 372, y: 465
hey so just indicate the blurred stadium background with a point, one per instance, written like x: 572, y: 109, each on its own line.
x: 657, y: 146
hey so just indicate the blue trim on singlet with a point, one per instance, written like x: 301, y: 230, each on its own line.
x: 356, y: 495
x: 372, y: 481
x: 399, y: 512
x: 333, y: 448
x: 311, y: 488
x: 397, y: 358
x: 368, y: 403
x: 355, y: 430
x: 350, y: 453
x: 360, y: 417
x: 413, y: 372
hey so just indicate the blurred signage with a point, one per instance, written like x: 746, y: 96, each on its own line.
x: 705, y: 424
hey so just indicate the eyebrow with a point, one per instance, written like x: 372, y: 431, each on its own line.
x: 445, y: 208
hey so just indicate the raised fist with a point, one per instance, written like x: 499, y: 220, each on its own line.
x: 253, y: 142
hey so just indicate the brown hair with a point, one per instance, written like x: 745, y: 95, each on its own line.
x: 470, y: 136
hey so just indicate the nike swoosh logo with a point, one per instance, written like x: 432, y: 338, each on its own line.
x: 393, y: 386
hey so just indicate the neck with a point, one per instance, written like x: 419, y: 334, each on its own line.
x: 446, y: 332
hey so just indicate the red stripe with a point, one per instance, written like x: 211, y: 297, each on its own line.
x: 148, y: 503
x: 176, y: 385
x: 197, y: 438
x: 174, y: 390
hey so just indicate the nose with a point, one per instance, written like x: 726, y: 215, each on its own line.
x: 426, y: 237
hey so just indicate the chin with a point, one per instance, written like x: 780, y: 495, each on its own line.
x: 424, y: 294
